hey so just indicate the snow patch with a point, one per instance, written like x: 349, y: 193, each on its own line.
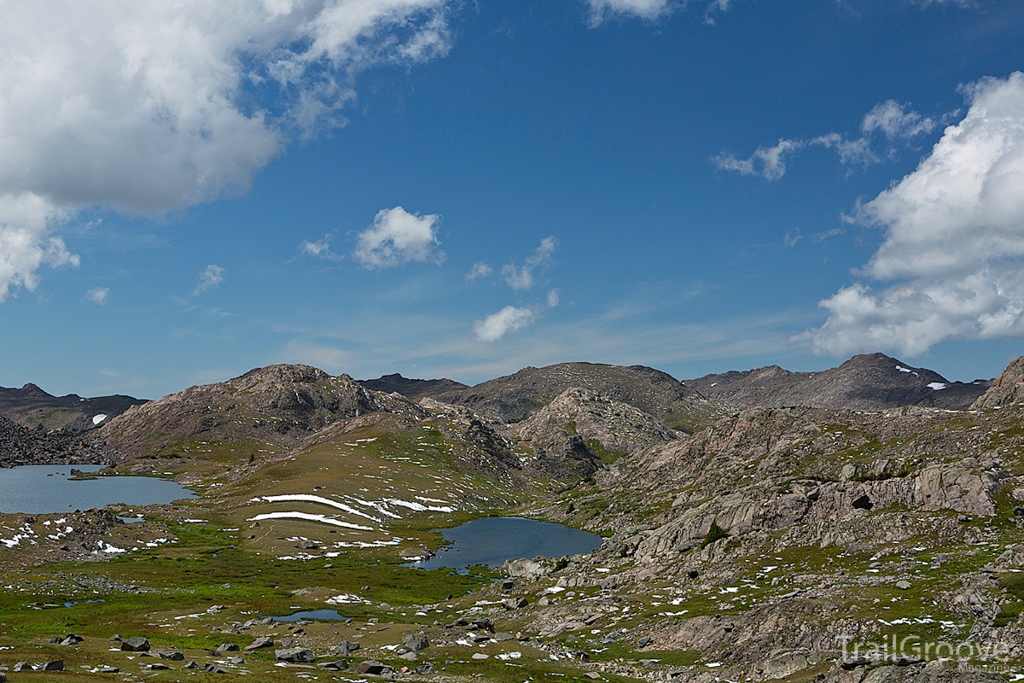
x: 96, y: 419
x: 937, y: 386
x: 323, y: 519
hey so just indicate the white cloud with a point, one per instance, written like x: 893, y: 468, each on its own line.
x: 144, y: 106
x: 890, y: 120
x: 397, y: 236
x: 210, y: 277
x: 479, y: 270
x: 320, y: 249
x: 766, y: 162
x: 643, y: 9
x: 521, y: 277
x: 954, y: 249
x: 553, y: 298
x: 497, y: 325
x: 98, y: 295
x: 26, y: 242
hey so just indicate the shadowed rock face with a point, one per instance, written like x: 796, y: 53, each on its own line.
x: 866, y: 382
x: 411, y: 388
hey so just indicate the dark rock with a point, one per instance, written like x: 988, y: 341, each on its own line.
x: 192, y: 665
x: 295, y: 654
x: 116, y: 638
x: 214, y: 669
x: 644, y: 642
x: 23, y: 666
x: 136, y: 644
x: 514, y: 603
x: 228, y: 647
x: 508, y: 585
x: 55, y: 665
x: 424, y: 669
x: 172, y: 655
x: 482, y: 623
x: 157, y: 666
x: 863, y: 503
x: 374, y: 668
x: 461, y: 621
x: 108, y: 670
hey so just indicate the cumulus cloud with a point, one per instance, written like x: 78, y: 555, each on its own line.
x: 479, y: 270
x: 521, y: 277
x: 320, y: 249
x: 144, y: 106
x: 888, y: 125
x: 98, y: 295
x: 497, y: 325
x: 26, y: 242
x: 953, y: 256
x: 397, y: 236
x: 211, y: 277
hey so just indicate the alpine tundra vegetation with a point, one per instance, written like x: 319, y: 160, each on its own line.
x: 790, y: 542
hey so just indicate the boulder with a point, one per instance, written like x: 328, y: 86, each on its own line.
x: 338, y: 665
x: 374, y: 668
x: 173, y: 655
x: 415, y: 641
x: 55, y: 665
x: 344, y: 648
x: 136, y: 644
x: 261, y: 642
x: 294, y: 654
x: 228, y: 647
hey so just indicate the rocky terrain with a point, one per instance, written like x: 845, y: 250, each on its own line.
x: 859, y: 525
x: 866, y: 382
x: 32, y: 407
x: 515, y: 397
x: 22, y: 446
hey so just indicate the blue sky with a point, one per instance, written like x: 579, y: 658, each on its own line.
x: 462, y: 189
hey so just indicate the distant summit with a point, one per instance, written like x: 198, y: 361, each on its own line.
x: 411, y: 388
x: 866, y: 382
x: 33, y: 408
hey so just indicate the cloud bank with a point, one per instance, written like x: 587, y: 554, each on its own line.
x: 397, y: 236
x: 144, y: 106
x: 953, y: 254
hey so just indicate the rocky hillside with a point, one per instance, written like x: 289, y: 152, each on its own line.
x: 866, y: 382
x: 278, y: 404
x: 1005, y: 390
x: 32, y: 407
x: 581, y: 430
x: 411, y: 388
x: 774, y: 540
x: 22, y: 446
x: 515, y: 397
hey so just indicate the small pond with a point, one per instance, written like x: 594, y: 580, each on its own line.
x: 42, y: 489
x: 492, y: 540
x: 321, y: 614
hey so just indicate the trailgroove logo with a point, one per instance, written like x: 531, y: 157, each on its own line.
x: 907, y: 649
